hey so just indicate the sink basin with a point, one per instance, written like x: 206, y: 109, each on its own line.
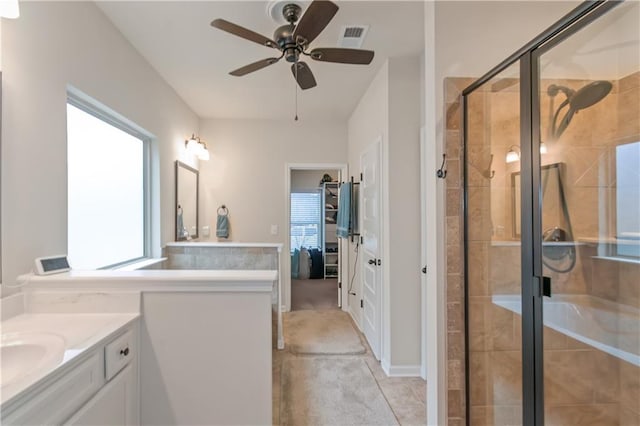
x: 25, y: 354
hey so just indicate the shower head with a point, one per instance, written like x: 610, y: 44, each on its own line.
x: 590, y: 94
x: 583, y: 98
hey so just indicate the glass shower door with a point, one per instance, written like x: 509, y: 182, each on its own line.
x: 588, y: 122
x: 493, y: 243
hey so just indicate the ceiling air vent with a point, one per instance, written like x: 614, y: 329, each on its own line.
x: 352, y: 36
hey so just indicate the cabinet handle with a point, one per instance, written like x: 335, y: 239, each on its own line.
x: 124, y: 351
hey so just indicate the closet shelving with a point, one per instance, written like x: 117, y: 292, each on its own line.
x: 330, y: 246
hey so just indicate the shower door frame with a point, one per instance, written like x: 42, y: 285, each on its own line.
x: 528, y: 58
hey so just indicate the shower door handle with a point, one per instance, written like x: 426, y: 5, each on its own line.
x: 546, y: 286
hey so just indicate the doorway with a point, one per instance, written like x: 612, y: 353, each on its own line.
x: 316, y: 258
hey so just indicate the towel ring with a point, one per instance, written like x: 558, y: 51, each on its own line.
x: 223, y: 211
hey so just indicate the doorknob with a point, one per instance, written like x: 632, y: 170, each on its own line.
x: 371, y: 262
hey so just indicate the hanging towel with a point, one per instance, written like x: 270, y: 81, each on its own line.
x: 222, y: 223
x: 295, y: 263
x: 344, y: 209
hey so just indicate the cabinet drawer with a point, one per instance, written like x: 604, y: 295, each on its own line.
x: 118, y: 353
x: 57, y: 402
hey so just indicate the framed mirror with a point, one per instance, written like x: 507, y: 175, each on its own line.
x: 186, y: 207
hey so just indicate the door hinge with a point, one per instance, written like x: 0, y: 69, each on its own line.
x: 361, y: 240
x: 361, y: 303
x: 339, y: 285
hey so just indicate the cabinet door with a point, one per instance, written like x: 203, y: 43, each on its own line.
x: 113, y: 405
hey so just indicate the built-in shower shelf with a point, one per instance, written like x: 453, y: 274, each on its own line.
x: 546, y: 243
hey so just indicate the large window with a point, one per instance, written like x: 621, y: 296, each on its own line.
x: 628, y: 199
x: 306, y: 215
x: 107, y: 177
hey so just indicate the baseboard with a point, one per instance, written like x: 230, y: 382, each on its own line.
x: 355, y: 320
x: 400, y: 370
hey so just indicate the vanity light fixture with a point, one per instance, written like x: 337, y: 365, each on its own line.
x: 543, y: 148
x: 9, y: 9
x: 197, y: 147
x: 514, y: 154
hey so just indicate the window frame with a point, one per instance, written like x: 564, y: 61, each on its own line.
x: 614, y: 248
x: 109, y: 116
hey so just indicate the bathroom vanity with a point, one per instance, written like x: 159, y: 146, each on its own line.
x: 68, y: 368
x: 199, y: 344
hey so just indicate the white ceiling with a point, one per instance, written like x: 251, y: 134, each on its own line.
x: 195, y: 59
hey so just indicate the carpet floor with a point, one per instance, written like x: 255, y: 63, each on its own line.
x: 321, y: 333
x: 314, y: 294
x: 336, y: 390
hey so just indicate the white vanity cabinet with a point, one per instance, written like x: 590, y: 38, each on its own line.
x: 114, y: 404
x: 99, y: 388
x: 117, y: 402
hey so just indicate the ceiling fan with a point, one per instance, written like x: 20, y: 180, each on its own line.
x: 293, y: 40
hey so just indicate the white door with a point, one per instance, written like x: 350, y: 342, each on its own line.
x: 371, y: 246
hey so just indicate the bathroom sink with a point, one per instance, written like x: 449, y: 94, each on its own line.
x: 23, y: 355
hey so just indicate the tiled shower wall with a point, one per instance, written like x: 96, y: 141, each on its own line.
x: 455, y: 261
x: 588, y: 149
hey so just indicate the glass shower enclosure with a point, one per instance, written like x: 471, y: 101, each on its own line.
x: 552, y: 226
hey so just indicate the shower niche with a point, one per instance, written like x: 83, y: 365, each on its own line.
x: 552, y: 233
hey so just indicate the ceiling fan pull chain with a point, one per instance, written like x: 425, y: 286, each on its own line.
x: 296, y: 89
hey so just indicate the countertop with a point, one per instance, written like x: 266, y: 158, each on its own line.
x: 80, y: 331
x: 157, y: 280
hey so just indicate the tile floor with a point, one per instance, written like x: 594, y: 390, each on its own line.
x: 406, y: 395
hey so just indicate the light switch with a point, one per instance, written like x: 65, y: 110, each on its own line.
x: 205, y: 231
x: 274, y: 229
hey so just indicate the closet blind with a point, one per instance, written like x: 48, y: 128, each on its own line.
x: 306, y: 216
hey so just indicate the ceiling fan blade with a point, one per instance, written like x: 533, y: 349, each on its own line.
x: 315, y: 19
x: 343, y: 56
x: 239, y: 31
x: 258, y: 65
x: 304, y: 76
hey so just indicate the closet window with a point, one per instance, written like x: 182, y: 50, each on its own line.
x: 107, y: 216
x: 306, y: 215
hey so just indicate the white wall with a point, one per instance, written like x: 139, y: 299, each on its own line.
x: 390, y: 110
x: 50, y: 46
x: 247, y: 172
x: 403, y: 210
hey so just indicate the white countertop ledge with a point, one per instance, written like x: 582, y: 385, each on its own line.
x: 157, y: 280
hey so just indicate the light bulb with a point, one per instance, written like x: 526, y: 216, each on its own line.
x: 9, y: 9
x: 204, y: 154
x: 512, y: 156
